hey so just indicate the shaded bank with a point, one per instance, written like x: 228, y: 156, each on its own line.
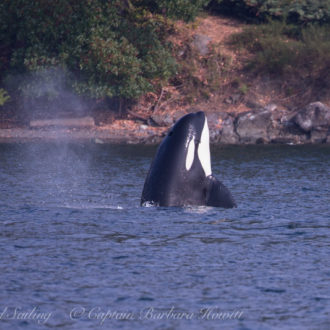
x: 270, y: 124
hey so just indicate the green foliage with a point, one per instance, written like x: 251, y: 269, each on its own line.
x: 283, y: 49
x: 177, y: 9
x: 297, y: 11
x: 243, y: 89
x: 104, y: 48
x: 4, y: 97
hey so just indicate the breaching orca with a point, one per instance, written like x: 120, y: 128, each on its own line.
x: 180, y: 173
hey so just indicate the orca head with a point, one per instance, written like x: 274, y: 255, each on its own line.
x: 180, y: 173
x: 191, y: 136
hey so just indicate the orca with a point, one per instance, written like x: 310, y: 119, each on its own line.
x: 180, y: 173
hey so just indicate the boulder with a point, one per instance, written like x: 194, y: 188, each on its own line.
x: 222, y: 129
x: 279, y: 130
x: 315, y: 116
x: 314, y: 120
x: 234, y: 99
x: 214, y: 120
x: 228, y: 134
x: 165, y: 119
x: 162, y: 119
x: 253, y: 126
x: 319, y: 136
x: 267, y: 125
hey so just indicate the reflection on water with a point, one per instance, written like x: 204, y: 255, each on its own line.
x: 77, y: 247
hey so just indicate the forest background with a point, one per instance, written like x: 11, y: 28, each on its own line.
x: 138, y: 56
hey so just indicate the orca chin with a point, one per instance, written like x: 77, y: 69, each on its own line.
x: 180, y: 174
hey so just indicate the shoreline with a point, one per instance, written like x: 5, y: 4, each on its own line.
x: 267, y: 125
x: 95, y: 135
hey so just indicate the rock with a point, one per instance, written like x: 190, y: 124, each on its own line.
x: 151, y: 139
x: 200, y: 43
x: 314, y: 120
x: 98, y: 141
x: 289, y: 139
x: 268, y: 125
x: 233, y: 99
x: 162, y: 119
x: 214, y: 122
x: 165, y: 119
x: 278, y: 129
x: 253, y: 126
x: 64, y: 122
x: 215, y: 119
x: 318, y: 136
x: 315, y: 116
x: 228, y: 134
x: 228, y: 100
x: 282, y: 140
x: 281, y: 130
x: 236, y: 98
x: 178, y: 114
x: 252, y: 104
x: 222, y: 129
x: 270, y: 107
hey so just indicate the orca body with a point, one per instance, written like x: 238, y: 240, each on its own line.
x: 180, y: 173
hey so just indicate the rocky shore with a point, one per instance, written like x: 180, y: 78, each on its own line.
x: 267, y: 125
x: 270, y: 124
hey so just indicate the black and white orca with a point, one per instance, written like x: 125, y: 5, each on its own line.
x: 180, y: 173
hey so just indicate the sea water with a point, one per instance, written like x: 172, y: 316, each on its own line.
x: 78, y: 251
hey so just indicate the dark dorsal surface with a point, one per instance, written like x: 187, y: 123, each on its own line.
x: 180, y: 173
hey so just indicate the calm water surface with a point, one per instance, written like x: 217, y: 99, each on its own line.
x: 78, y: 252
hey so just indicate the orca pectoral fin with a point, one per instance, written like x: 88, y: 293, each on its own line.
x: 218, y: 194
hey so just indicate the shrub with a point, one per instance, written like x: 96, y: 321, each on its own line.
x: 177, y: 9
x: 111, y: 48
x: 282, y: 49
x: 297, y: 11
x: 4, y: 97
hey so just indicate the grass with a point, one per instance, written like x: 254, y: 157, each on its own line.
x: 287, y: 50
x: 292, y: 61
